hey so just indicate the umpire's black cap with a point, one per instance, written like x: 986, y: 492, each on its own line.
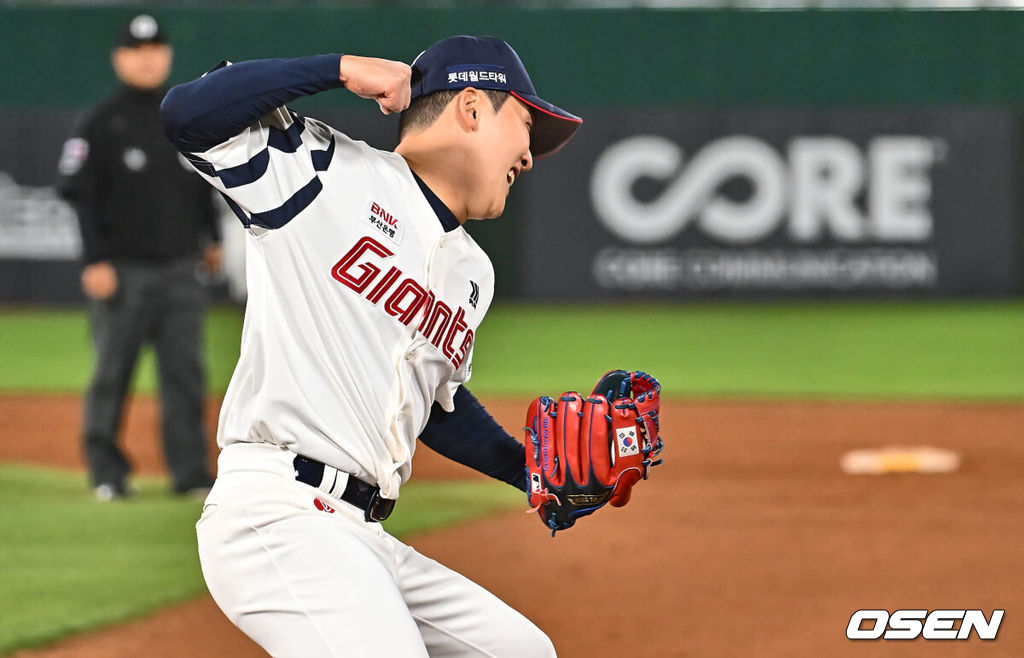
x: 141, y: 30
x: 490, y: 63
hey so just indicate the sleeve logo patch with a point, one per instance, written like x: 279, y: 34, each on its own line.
x: 384, y: 223
x: 627, y: 441
x: 75, y: 152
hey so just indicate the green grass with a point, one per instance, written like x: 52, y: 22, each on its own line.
x: 68, y: 563
x: 967, y: 349
x: 869, y: 349
x: 50, y: 351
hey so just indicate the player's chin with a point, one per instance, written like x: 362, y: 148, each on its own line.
x: 498, y: 209
x: 495, y: 208
x: 489, y: 212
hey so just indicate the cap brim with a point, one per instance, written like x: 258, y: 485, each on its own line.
x: 553, y: 127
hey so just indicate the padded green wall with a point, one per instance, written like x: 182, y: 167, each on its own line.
x: 56, y: 57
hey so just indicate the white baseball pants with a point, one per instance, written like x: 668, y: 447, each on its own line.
x: 304, y: 582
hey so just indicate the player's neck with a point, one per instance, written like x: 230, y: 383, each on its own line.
x: 440, y: 173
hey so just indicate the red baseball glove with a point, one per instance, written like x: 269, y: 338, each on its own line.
x: 584, y: 453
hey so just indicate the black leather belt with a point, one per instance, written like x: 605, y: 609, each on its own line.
x: 363, y: 495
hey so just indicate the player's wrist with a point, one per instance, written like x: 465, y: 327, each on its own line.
x: 341, y: 69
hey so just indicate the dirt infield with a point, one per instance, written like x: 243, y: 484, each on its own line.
x: 749, y: 541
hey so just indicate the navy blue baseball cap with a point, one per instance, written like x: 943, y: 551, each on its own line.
x: 490, y: 63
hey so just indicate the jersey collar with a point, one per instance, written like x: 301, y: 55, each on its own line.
x: 444, y: 215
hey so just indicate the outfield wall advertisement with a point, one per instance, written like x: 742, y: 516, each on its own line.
x: 690, y: 203
x: 683, y: 181
x: 673, y: 204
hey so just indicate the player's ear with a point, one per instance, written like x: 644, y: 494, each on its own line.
x: 467, y: 108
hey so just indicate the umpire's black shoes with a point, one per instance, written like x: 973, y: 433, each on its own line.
x: 108, y: 491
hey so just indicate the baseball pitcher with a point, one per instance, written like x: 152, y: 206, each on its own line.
x: 365, y: 298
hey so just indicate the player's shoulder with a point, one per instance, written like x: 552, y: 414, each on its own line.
x: 350, y: 149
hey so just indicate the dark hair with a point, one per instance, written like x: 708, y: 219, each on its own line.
x: 425, y: 110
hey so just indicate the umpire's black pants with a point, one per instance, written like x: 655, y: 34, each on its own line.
x: 164, y: 304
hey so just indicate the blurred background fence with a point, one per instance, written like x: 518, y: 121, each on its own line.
x: 724, y: 153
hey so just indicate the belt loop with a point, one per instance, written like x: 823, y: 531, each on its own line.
x: 328, y: 479
x: 339, y: 480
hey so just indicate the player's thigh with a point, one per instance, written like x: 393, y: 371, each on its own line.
x: 458, y: 617
x: 300, y: 583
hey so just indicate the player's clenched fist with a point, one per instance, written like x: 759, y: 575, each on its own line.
x: 382, y: 80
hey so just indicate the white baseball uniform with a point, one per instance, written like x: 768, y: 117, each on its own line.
x: 362, y: 312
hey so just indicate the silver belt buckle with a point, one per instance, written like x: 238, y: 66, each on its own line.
x: 379, y: 508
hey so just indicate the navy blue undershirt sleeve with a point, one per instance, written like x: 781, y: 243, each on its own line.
x: 471, y: 436
x: 200, y: 114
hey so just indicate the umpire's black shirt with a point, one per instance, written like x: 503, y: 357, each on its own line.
x: 136, y: 198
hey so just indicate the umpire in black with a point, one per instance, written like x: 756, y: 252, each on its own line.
x: 144, y: 216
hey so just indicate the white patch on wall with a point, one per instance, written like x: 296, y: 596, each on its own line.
x: 35, y: 223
